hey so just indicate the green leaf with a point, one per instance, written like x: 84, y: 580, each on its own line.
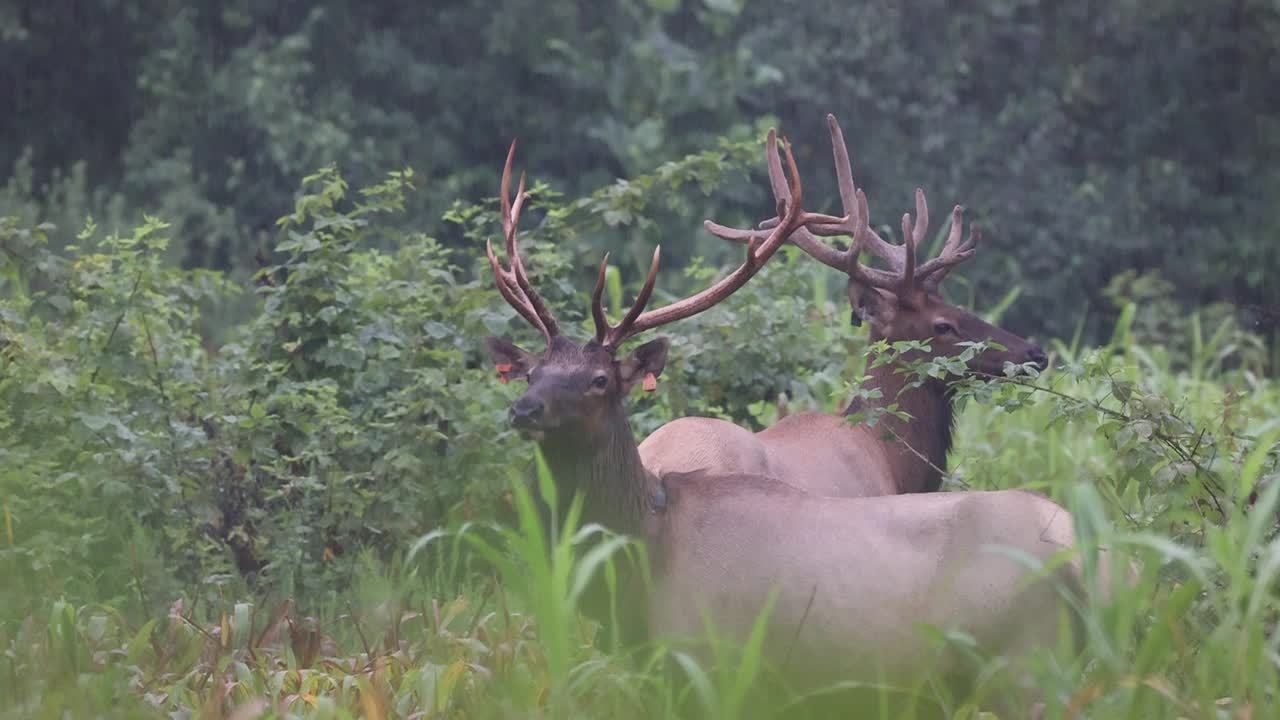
x: 436, y: 330
x: 1251, y: 469
x: 590, y: 563
x: 729, y: 7
x: 95, y: 422
x: 241, y: 624
x: 140, y: 643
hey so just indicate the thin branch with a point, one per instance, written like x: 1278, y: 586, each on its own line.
x: 795, y: 639
x: 368, y: 653
x: 915, y: 452
x: 137, y: 282
x: 168, y: 413
x: 484, y: 600
x: 1163, y: 438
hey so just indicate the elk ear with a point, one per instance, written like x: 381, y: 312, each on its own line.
x: 646, y: 360
x: 512, y: 362
x: 870, y: 305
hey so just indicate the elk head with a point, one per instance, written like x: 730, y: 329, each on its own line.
x: 903, y: 301
x: 571, y: 386
x: 574, y: 390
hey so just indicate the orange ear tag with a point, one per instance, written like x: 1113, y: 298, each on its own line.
x: 503, y: 369
x: 650, y: 382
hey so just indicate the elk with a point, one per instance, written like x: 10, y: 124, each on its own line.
x: 849, y: 579
x: 824, y: 453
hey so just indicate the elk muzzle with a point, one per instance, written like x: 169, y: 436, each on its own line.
x: 527, y: 413
x: 1037, y: 356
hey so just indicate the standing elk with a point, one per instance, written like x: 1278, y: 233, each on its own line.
x: 826, y: 454
x: 847, y: 580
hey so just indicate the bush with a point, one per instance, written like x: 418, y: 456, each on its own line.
x: 345, y: 415
x: 353, y: 413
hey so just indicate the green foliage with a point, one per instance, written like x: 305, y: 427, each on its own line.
x: 350, y: 412
x: 1200, y: 341
x: 345, y: 414
x: 142, y: 469
x: 102, y: 365
x: 1086, y: 140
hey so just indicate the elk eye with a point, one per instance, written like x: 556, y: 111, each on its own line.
x: 943, y: 328
x: 600, y: 382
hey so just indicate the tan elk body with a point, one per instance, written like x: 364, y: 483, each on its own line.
x: 851, y: 578
x: 826, y: 454
x: 858, y: 576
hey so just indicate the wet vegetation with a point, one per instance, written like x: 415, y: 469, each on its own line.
x: 255, y: 463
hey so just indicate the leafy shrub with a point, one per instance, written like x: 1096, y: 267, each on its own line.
x: 346, y: 414
x: 353, y: 413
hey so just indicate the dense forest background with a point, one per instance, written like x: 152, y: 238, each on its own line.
x: 1106, y: 147
x: 254, y: 463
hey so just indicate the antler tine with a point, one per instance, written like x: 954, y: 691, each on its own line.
x: 953, y: 253
x: 921, y: 227
x: 909, y: 256
x: 844, y: 171
x: 510, y: 228
x: 773, y: 160
x: 905, y: 271
x: 757, y: 255
x: 912, y: 235
x: 954, y: 234
x: 511, y: 292
x: 863, y: 236
x: 855, y: 203
x: 506, y: 192
x: 613, y: 336
x: 857, y: 221
x: 802, y: 237
x: 780, y: 192
x: 513, y: 284
x: 597, y: 306
x: 854, y: 223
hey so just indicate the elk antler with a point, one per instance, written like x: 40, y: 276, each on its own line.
x: 514, y: 284
x: 904, y: 276
x: 759, y: 250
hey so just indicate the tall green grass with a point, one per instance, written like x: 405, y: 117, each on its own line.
x: 482, y: 621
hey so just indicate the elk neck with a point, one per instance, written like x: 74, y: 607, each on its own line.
x: 605, y: 467
x: 928, y: 431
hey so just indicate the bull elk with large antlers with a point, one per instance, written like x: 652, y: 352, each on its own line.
x: 853, y: 577
x: 826, y: 454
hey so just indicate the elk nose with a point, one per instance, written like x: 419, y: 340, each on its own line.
x: 527, y: 412
x: 1037, y: 356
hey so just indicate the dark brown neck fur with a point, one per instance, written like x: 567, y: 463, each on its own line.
x: 617, y: 493
x: 928, y: 432
x: 604, y: 465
